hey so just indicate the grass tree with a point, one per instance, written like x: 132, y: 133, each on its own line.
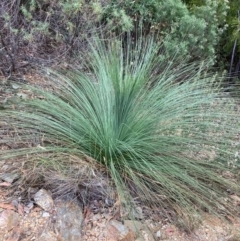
x: 162, y: 132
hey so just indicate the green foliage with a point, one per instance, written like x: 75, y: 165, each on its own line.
x: 214, y: 14
x: 167, y: 143
x: 62, y: 27
x: 59, y: 20
x: 226, y: 17
x: 233, y: 31
x: 41, y: 31
x: 195, y: 31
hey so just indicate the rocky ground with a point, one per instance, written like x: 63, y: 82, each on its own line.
x: 44, y: 218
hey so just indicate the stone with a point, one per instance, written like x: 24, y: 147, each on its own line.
x: 133, y: 225
x: 147, y: 234
x: 8, y: 220
x: 14, y: 235
x: 45, y: 215
x: 9, y: 177
x: 111, y: 233
x: 119, y: 226
x: 22, y: 96
x: 4, y: 167
x: 158, y: 234
x: 15, y: 203
x: 115, y: 231
x: 129, y: 237
x: 2, y: 235
x: 140, y: 238
x: 28, y: 207
x: 235, y: 198
x: 96, y: 217
x: 109, y: 202
x: 15, y: 86
x: 137, y: 213
x: 47, y: 236
x: 141, y: 231
x: 43, y: 199
x: 68, y: 223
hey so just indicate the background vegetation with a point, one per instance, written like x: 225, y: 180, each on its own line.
x: 43, y: 32
x: 231, y: 34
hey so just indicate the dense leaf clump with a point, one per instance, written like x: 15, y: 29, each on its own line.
x: 163, y: 133
x: 43, y: 32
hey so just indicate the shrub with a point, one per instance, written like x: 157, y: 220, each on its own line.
x: 233, y: 30
x: 225, y: 18
x: 167, y: 143
x: 195, y: 31
x: 231, y: 35
x: 44, y: 31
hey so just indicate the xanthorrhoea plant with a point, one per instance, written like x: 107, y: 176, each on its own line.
x: 161, y: 132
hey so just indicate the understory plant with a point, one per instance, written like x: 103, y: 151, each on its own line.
x: 162, y: 134
x: 192, y: 28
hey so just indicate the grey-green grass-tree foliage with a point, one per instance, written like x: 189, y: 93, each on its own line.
x: 166, y: 143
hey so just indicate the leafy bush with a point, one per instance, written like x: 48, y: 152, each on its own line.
x: 44, y: 31
x: 231, y: 35
x: 228, y: 20
x: 233, y: 22
x: 167, y: 143
x: 195, y: 31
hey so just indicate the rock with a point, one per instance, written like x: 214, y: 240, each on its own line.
x: 8, y: 220
x: 2, y: 162
x: 141, y: 238
x: 31, y: 191
x: 141, y: 231
x: 111, y: 233
x: 15, y: 203
x: 2, y: 235
x: 9, y: 177
x: 43, y: 199
x: 45, y: 215
x: 115, y: 231
x: 47, y: 236
x: 28, y: 207
x: 96, y: 217
x: 158, y: 234
x: 15, y: 86
x: 4, y: 167
x: 135, y: 226
x: 119, y: 226
x: 235, y: 198
x: 129, y: 237
x: 14, y: 235
x: 138, y: 213
x: 147, y: 234
x: 69, y: 218
x: 109, y: 202
x: 22, y: 96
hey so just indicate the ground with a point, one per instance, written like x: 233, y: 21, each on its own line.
x: 28, y: 221
x: 33, y: 222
